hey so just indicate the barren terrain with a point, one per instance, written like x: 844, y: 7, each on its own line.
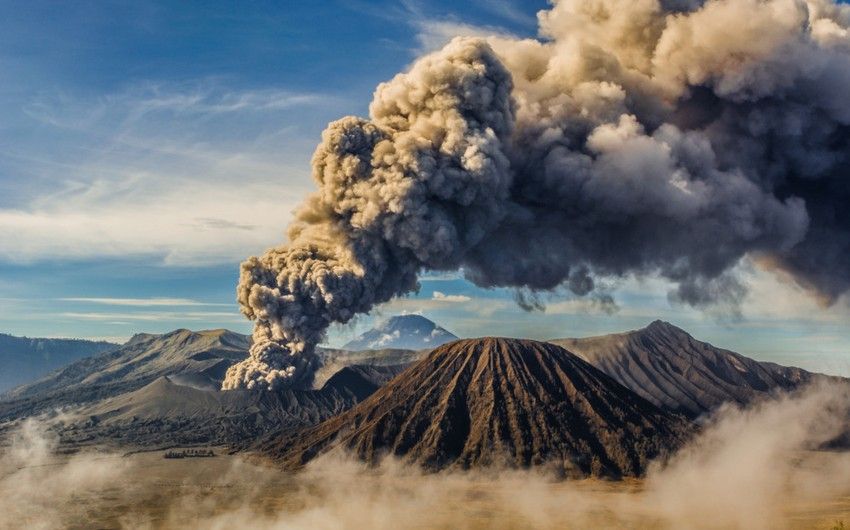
x: 145, y: 490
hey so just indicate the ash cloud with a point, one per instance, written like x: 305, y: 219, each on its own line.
x: 642, y: 138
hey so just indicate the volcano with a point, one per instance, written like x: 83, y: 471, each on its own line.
x: 408, y: 332
x: 502, y: 402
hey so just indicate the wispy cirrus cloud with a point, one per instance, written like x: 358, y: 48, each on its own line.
x: 210, y: 96
x: 172, y: 173
x: 508, y: 10
x: 153, y: 316
x: 433, y: 34
x: 432, y: 30
x: 144, y: 302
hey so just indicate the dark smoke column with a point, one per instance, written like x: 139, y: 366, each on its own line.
x: 413, y: 187
x: 637, y: 139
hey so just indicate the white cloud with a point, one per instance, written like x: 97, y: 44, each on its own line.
x: 450, y: 298
x: 165, y: 226
x: 774, y: 296
x: 444, y: 276
x: 474, y: 307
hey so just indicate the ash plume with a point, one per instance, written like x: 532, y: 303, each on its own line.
x: 670, y: 138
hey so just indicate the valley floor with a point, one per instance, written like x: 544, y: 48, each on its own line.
x: 145, y: 490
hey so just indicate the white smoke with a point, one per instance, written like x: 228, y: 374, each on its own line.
x: 37, y: 486
x: 752, y: 465
x: 635, y: 138
x: 750, y: 468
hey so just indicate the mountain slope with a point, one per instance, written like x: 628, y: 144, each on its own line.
x: 498, y: 401
x: 144, y: 358
x: 670, y: 368
x: 23, y: 359
x: 408, y: 332
x: 169, y: 412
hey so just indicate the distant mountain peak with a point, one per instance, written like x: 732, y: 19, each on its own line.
x: 664, y: 326
x: 411, y: 332
x: 658, y: 323
x: 140, y: 337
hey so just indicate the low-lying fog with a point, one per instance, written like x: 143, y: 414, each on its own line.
x: 753, y: 469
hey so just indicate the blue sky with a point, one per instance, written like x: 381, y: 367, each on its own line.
x: 140, y: 140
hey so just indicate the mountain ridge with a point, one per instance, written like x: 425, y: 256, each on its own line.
x: 666, y: 365
x: 160, y: 390
x: 660, y: 363
x: 28, y: 358
x: 144, y: 358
